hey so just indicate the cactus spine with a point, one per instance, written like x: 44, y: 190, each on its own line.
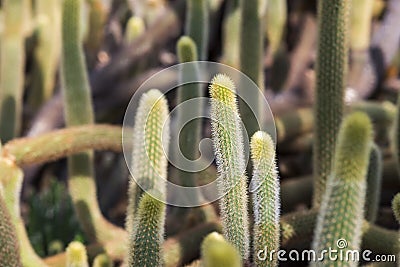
x: 265, y: 189
x: 374, y: 184
x: 76, y: 255
x: 9, y: 247
x: 331, y: 80
x: 78, y: 111
x: 47, y: 51
x: 217, y: 252
x: 145, y: 246
x: 134, y: 28
x: 12, y: 54
x: 342, y: 210
x: 197, y: 25
x: 275, y: 20
x: 228, y: 145
x: 11, y: 179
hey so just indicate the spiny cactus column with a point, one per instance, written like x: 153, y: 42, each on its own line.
x: 197, y: 25
x: 228, y: 145
x: 217, y: 252
x: 251, y: 60
x: 149, y: 163
x: 134, y: 28
x: 396, y: 136
x: 78, y: 111
x: 331, y: 72
x: 47, y: 50
x: 265, y: 190
x: 76, y: 255
x: 374, y: 184
x: 9, y: 246
x: 11, y: 180
x: 275, y: 20
x: 12, y: 54
x: 340, y: 219
x: 145, y: 245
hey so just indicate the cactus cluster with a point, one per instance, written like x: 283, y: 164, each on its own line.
x: 81, y: 60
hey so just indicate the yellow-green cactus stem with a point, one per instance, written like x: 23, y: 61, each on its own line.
x: 374, y: 184
x: 396, y: 207
x: 217, y: 252
x: 145, y: 245
x: 102, y: 260
x: 360, y: 25
x: 228, y: 145
x: 275, y: 21
x: 341, y: 214
x: 331, y: 70
x: 197, y: 25
x: 95, y: 35
x: 396, y: 136
x: 76, y: 255
x: 78, y: 111
x: 231, y: 34
x: 266, y: 203
x: 134, y: 28
x: 12, y: 54
x: 9, y: 247
x: 11, y: 179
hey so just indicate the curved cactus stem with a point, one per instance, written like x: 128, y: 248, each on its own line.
x: 217, y: 252
x: 342, y: 209
x: 11, y: 179
x: 228, y: 145
x: 331, y: 81
x: 78, y: 111
x: 265, y: 190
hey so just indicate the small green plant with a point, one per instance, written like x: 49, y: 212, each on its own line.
x: 134, y: 28
x: 217, y: 252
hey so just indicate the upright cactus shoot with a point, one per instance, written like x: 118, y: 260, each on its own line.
x: 341, y: 213
x: 228, y: 145
x: 265, y: 190
x: 331, y: 73
x: 217, y: 252
x: 76, y: 255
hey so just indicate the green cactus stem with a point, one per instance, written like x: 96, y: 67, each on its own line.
x: 9, y: 246
x: 275, y: 20
x: 197, y: 25
x: 231, y: 34
x: 47, y: 51
x: 78, y: 110
x: 342, y: 209
x: 134, y: 28
x: 396, y: 135
x: 145, y: 245
x: 265, y: 190
x: 11, y: 179
x: 396, y: 207
x: 360, y: 22
x: 374, y: 184
x: 12, y: 54
x: 217, y: 252
x: 95, y: 35
x: 228, y: 145
x: 331, y: 73
x: 76, y: 255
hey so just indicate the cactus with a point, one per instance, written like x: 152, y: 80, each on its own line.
x: 47, y: 50
x: 331, y: 78
x: 134, y: 28
x: 251, y: 55
x: 342, y: 209
x: 217, y: 252
x: 374, y: 184
x: 11, y: 180
x: 396, y: 207
x: 78, y: 110
x: 76, y: 255
x: 231, y: 34
x: 360, y: 23
x: 95, y: 34
x: 145, y: 245
x: 12, y: 54
x: 197, y: 25
x: 396, y: 136
x: 228, y: 145
x: 102, y: 260
x: 9, y: 247
x: 149, y: 163
x: 275, y: 20
x: 265, y: 189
